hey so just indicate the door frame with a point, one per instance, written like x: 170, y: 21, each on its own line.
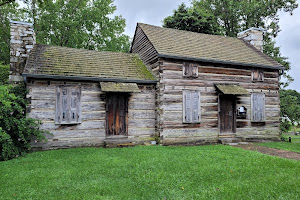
x: 233, y: 98
x: 124, y: 95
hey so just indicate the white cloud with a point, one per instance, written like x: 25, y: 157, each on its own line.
x: 150, y: 12
x: 289, y: 42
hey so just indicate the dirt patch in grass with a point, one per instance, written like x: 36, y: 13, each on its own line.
x: 271, y: 151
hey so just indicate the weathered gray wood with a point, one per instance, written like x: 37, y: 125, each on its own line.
x: 141, y: 123
x: 141, y: 114
x: 257, y: 107
x: 96, y: 124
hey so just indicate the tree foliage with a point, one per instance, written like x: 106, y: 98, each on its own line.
x: 4, y: 74
x: 72, y: 23
x: 16, y: 131
x: 192, y: 19
x: 289, y: 108
x: 8, y: 12
x: 79, y: 24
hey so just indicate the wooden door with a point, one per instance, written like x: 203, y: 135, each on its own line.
x: 116, y: 114
x: 227, y: 114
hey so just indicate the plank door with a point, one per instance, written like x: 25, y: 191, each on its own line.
x: 116, y: 114
x: 227, y: 114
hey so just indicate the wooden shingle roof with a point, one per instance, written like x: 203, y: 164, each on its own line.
x: 186, y: 45
x: 52, y: 61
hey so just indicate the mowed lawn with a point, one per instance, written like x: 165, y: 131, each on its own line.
x: 150, y: 172
x: 295, y: 147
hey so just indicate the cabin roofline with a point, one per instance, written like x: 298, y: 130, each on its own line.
x: 92, y: 79
x: 219, y: 61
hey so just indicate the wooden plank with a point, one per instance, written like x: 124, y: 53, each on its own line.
x: 133, y: 131
x: 92, y: 106
x: 85, y: 125
x: 141, y: 114
x: 141, y: 123
x: 95, y: 115
x: 141, y: 106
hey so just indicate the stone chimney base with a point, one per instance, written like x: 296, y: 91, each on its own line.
x: 22, y: 39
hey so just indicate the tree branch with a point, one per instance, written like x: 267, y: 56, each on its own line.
x: 9, y: 1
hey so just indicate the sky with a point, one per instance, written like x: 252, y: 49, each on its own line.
x: 154, y: 11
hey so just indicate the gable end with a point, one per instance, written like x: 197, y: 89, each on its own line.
x: 143, y: 46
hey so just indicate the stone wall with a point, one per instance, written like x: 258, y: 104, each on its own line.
x: 22, y: 41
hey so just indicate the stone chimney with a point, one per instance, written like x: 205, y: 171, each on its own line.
x: 22, y: 39
x: 254, y: 36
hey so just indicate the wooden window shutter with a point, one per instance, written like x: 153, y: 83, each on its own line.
x: 187, y: 107
x: 191, y: 106
x: 257, y: 107
x: 257, y: 75
x: 58, y: 112
x: 194, y: 70
x: 196, y: 107
x: 68, y: 105
x: 185, y: 70
x: 190, y: 70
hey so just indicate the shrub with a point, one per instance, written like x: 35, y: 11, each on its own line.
x: 16, y: 131
x: 4, y: 74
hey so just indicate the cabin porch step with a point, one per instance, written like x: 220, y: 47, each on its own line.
x: 230, y: 140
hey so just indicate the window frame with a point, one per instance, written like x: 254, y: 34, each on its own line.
x: 70, y: 107
x: 185, y: 104
x: 253, y: 107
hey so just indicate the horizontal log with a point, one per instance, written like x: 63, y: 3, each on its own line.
x: 210, y: 132
x: 95, y: 115
x: 85, y: 125
x: 141, y: 114
x: 92, y: 106
x: 177, y: 125
x: 48, y: 104
x: 62, y: 134
x: 141, y: 123
x: 141, y: 106
x: 133, y: 131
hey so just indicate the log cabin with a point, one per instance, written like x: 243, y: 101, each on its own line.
x: 179, y: 86
x: 211, y: 88
x: 84, y: 97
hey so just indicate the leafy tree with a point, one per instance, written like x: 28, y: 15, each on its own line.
x: 7, y: 11
x: 79, y: 24
x: 289, y: 108
x: 4, y: 74
x: 192, y: 19
x: 16, y: 131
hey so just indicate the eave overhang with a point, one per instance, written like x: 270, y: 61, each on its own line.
x: 82, y: 78
x: 279, y: 67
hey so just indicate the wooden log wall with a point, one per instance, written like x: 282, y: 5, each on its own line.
x: 91, y: 131
x: 170, y: 97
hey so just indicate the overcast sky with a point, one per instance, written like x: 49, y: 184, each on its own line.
x: 154, y: 11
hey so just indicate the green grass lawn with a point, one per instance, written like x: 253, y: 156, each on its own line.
x: 150, y: 172
x: 282, y: 145
x: 295, y: 138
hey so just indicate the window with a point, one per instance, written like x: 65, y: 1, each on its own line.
x: 257, y: 107
x: 257, y: 75
x: 190, y: 70
x: 191, y: 106
x: 68, y: 105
